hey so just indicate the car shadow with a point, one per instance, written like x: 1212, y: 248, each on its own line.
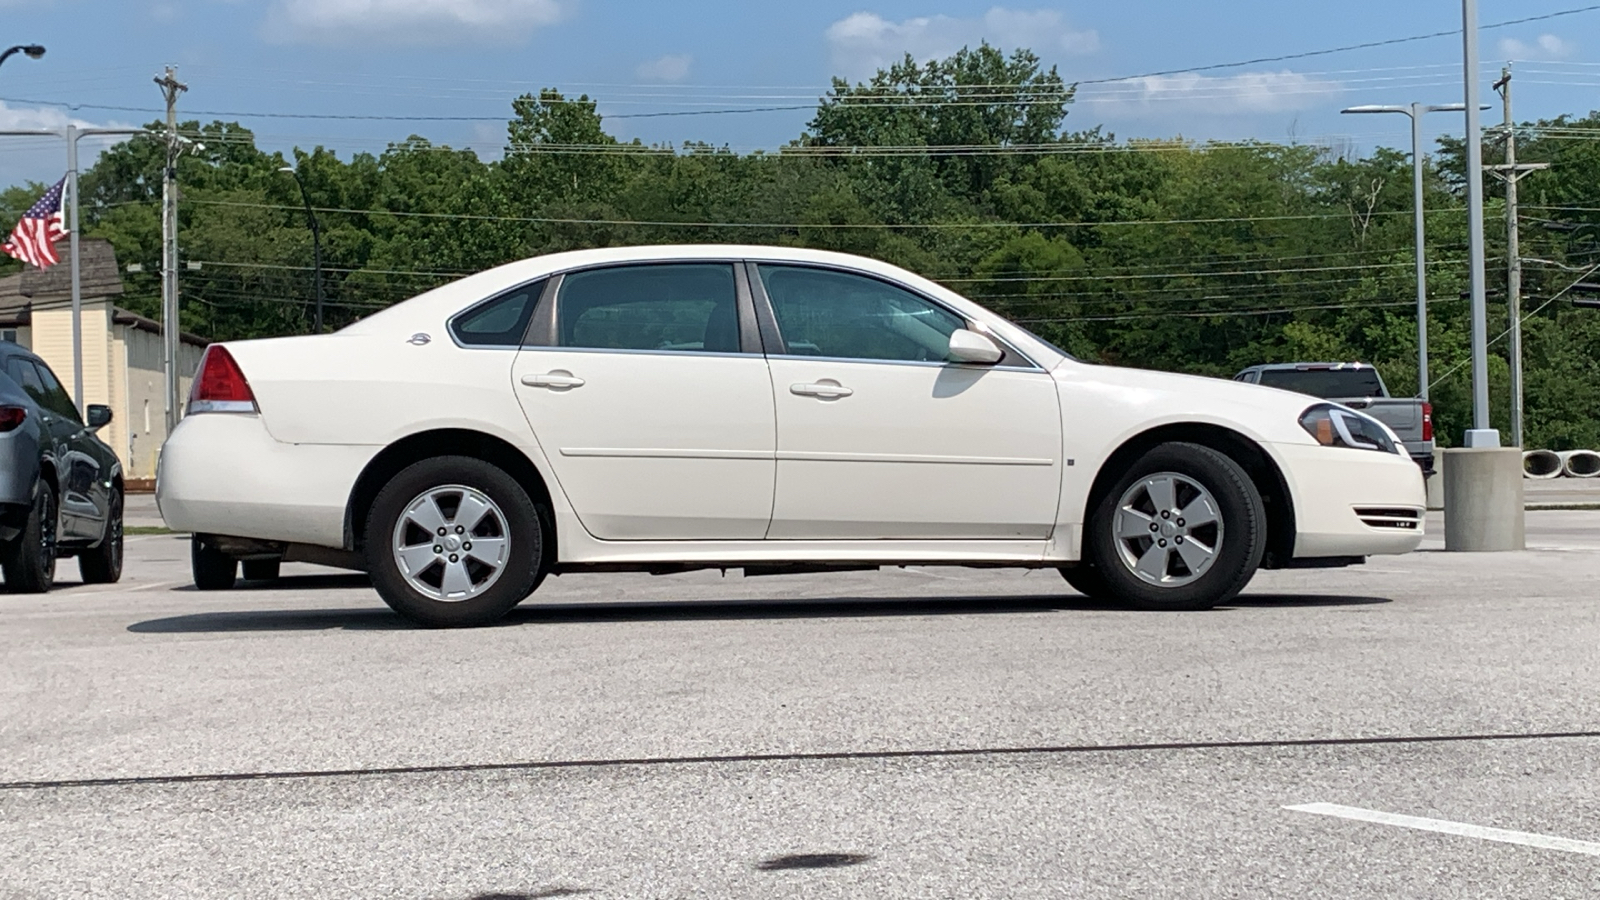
x: 382, y: 619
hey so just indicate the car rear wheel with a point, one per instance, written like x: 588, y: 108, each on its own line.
x: 29, y: 560
x: 103, y: 564
x: 1184, y: 528
x: 454, y: 541
x: 213, y: 570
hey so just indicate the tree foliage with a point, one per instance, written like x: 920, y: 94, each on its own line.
x: 1196, y: 257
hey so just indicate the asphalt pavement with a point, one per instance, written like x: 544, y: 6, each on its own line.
x: 920, y: 732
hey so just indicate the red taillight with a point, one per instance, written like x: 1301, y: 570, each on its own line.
x: 11, y: 417
x: 1427, y: 421
x: 220, y: 386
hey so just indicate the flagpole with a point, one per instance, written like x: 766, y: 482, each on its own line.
x: 77, y: 278
x: 71, y: 133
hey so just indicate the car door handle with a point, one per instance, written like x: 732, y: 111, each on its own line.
x: 553, y: 380
x: 824, y: 390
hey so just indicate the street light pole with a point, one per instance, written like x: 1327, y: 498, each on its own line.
x: 1415, y: 111
x: 1481, y: 434
x: 32, y: 51
x: 316, y: 244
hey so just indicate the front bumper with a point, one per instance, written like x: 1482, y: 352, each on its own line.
x: 1353, y: 502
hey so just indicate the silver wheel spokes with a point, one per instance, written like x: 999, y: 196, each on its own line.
x: 1168, y: 529
x: 451, y: 543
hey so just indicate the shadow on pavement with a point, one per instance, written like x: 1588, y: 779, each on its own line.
x: 1302, y: 600
x: 382, y: 619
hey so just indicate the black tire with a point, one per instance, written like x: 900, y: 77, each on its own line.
x: 261, y: 569
x: 525, y: 537
x: 213, y: 570
x: 29, y: 560
x: 103, y: 564
x: 1243, y: 538
x: 1086, y: 580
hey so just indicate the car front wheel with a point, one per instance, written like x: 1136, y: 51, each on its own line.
x: 1184, y: 528
x: 454, y: 541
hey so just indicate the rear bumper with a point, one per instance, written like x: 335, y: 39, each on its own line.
x: 222, y: 473
x: 1353, y: 502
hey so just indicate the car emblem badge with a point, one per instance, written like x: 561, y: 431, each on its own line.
x: 419, y: 339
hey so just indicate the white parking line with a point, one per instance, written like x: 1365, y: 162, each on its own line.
x: 1542, y: 841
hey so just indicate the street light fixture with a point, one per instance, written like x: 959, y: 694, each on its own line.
x: 32, y: 51
x: 1416, y: 111
x: 316, y: 243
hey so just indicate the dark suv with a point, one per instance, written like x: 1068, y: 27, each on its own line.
x: 60, y: 485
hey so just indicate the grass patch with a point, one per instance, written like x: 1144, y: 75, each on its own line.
x: 147, y: 529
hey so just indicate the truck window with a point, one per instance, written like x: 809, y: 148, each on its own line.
x: 1326, y: 383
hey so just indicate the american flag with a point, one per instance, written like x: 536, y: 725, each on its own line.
x: 34, y: 238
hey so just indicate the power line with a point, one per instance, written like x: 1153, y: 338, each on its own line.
x: 1222, y: 220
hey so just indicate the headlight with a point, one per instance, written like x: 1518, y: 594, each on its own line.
x: 1334, y: 426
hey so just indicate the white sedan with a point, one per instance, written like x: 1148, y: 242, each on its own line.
x: 664, y: 409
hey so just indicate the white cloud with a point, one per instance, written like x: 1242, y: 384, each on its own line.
x: 1252, y: 93
x: 865, y: 42
x: 409, y: 21
x: 44, y: 158
x: 1546, y: 46
x: 667, y: 68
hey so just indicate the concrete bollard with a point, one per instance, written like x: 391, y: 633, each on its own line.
x: 1483, y: 499
x: 1435, y: 483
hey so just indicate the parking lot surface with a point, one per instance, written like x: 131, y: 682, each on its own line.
x: 924, y: 732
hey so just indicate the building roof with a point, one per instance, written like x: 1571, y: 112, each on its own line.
x: 99, y: 279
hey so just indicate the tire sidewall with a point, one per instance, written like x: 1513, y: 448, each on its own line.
x: 524, y: 562
x: 1243, y: 520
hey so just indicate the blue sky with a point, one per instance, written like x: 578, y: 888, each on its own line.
x: 470, y: 57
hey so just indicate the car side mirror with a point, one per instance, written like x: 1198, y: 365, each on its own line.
x: 99, y: 415
x: 972, y: 347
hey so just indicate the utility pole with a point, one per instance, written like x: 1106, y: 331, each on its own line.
x: 170, y: 323
x: 1511, y: 173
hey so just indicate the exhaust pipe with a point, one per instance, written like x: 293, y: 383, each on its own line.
x: 1542, y: 464
x: 1580, y: 464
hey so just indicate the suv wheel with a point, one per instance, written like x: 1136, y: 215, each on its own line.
x: 29, y: 560
x: 103, y: 564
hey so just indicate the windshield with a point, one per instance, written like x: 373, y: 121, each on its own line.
x: 1326, y: 383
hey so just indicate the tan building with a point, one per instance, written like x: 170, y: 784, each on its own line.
x: 121, y: 350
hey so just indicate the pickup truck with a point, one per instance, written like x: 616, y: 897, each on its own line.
x: 1357, y: 386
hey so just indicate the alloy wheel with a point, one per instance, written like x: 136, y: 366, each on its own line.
x: 451, y: 543
x: 1168, y: 529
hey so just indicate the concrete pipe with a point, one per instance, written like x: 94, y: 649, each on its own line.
x: 1542, y: 464
x: 1580, y: 464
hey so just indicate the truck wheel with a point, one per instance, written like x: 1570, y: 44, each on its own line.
x: 213, y: 570
x: 1184, y: 528
x: 29, y: 560
x: 103, y: 564
x: 454, y: 541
